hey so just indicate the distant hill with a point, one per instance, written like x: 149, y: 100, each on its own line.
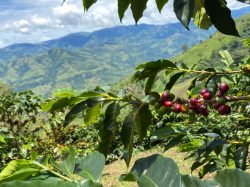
x: 205, y: 54
x: 84, y: 60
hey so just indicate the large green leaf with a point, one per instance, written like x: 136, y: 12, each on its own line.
x: 138, y: 8
x: 127, y: 136
x: 184, y: 10
x: 122, y: 7
x: 18, y: 170
x: 108, y: 127
x: 220, y: 16
x: 143, y: 118
x: 88, y: 3
x: 158, y: 171
x: 91, y: 166
x: 50, y: 183
x: 233, y: 178
x: 160, y: 4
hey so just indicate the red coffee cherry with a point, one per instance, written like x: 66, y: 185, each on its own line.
x: 202, y: 108
x: 203, y: 91
x: 224, y: 109
x: 168, y: 104
x: 223, y: 87
x: 177, y: 108
x: 194, y: 101
x: 165, y: 96
x: 205, y: 112
x: 207, y: 96
x: 184, y: 109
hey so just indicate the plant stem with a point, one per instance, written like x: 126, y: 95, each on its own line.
x: 207, y: 72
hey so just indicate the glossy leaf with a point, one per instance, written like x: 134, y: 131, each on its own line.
x: 108, y: 127
x: 50, y: 183
x: 80, y: 107
x: 173, y: 79
x: 18, y: 170
x: 220, y: 16
x: 149, y: 84
x: 127, y: 136
x: 160, y: 4
x: 122, y: 7
x: 184, y: 10
x: 88, y: 3
x: 91, y: 166
x: 143, y: 119
x: 233, y: 178
x: 92, y: 114
x: 138, y: 8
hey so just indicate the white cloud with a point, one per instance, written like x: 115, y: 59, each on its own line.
x: 40, y: 21
x: 24, y: 30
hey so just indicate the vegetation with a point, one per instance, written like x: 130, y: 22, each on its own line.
x: 211, y: 124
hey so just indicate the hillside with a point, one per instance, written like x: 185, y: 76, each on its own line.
x: 206, y: 54
x: 84, y: 60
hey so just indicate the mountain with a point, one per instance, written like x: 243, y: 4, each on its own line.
x: 203, y: 55
x: 84, y: 60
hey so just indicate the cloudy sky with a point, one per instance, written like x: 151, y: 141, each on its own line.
x: 39, y: 20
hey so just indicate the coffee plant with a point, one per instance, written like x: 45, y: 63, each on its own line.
x: 211, y: 123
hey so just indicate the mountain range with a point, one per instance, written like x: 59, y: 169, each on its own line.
x: 84, y: 60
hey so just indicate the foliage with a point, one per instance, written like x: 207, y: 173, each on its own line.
x: 82, y: 171
x: 210, y: 12
x: 146, y: 173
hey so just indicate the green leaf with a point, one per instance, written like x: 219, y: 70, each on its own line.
x: 108, y: 127
x: 160, y: 4
x: 173, y: 80
x: 122, y: 7
x: 201, y: 19
x: 91, y: 166
x: 92, y: 114
x: 57, y: 104
x: 18, y: 170
x: 138, y: 8
x: 127, y: 136
x: 88, y: 3
x: 226, y: 57
x: 50, y: 182
x: 149, y: 84
x: 164, y: 133
x: 220, y: 16
x: 80, y: 107
x: 191, y: 146
x: 184, y: 10
x: 191, y: 181
x: 143, y: 119
x: 67, y: 166
x: 233, y: 178
x: 159, y: 64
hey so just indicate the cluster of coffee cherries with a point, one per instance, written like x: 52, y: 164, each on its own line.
x: 198, y: 105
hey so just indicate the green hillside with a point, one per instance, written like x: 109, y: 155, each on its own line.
x: 84, y: 60
x: 205, y: 54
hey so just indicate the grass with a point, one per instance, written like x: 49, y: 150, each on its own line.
x: 112, y: 171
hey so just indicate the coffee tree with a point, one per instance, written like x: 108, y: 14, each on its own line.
x: 212, y: 123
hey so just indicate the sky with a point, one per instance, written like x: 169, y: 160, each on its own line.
x: 33, y: 21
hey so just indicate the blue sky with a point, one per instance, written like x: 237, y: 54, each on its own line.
x: 39, y: 20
